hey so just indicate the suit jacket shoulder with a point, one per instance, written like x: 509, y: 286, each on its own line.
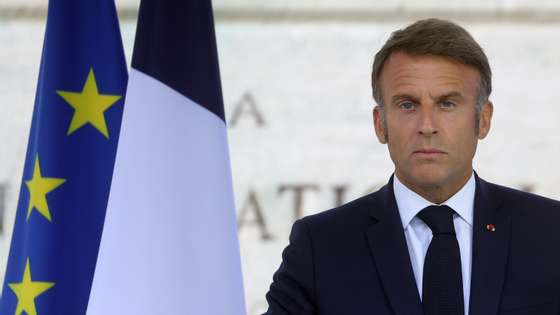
x: 349, y: 215
x: 524, y: 203
x: 327, y: 268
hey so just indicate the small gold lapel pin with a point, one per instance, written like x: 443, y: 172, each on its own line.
x: 490, y: 227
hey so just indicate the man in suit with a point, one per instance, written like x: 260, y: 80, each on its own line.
x: 437, y: 239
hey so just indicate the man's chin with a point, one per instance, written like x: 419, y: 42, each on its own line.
x: 427, y: 177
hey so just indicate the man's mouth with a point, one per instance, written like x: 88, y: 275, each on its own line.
x: 428, y: 152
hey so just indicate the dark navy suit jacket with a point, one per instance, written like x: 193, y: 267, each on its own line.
x: 354, y: 259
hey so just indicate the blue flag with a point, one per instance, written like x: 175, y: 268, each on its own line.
x: 69, y: 161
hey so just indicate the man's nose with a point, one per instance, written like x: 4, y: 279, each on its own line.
x: 427, y: 126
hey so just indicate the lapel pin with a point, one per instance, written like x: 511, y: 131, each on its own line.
x: 490, y: 227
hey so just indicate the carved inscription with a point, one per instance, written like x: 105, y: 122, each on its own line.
x: 246, y: 109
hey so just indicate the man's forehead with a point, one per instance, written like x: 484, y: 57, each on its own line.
x: 415, y: 61
x: 415, y: 74
x: 426, y: 86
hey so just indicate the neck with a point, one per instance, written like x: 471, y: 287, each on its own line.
x: 435, y: 192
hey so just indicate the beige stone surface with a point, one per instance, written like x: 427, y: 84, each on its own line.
x: 310, y: 84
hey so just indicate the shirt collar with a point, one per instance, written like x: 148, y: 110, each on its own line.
x: 410, y: 203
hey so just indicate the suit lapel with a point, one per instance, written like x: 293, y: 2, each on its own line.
x: 390, y: 254
x: 490, y: 251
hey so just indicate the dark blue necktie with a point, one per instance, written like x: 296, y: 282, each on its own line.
x: 442, y: 288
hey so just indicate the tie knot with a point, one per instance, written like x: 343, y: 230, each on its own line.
x: 439, y: 219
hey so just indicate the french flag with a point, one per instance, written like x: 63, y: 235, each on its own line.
x: 169, y: 242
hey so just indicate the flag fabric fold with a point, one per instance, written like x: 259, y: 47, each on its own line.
x: 69, y: 161
x: 169, y: 244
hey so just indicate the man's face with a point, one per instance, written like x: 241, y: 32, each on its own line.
x: 430, y: 119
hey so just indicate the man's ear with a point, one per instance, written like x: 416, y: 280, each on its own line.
x: 378, y: 124
x: 485, y: 119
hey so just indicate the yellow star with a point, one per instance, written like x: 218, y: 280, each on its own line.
x: 27, y: 290
x: 89, y: 106
x: 39, y: 187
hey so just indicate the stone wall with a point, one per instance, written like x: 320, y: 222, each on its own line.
x: 298, y: 104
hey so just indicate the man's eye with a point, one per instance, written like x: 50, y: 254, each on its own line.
x: 408, y: 106
x: 447, y: 104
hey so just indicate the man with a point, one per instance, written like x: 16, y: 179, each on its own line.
x: 437, y: 239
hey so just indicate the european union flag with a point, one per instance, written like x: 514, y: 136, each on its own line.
x: 69, y: 161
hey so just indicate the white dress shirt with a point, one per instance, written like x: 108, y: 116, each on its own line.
x: 418, y: 234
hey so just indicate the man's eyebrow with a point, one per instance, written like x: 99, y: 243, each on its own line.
x: 453, y: 94
x: 400, y: 97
